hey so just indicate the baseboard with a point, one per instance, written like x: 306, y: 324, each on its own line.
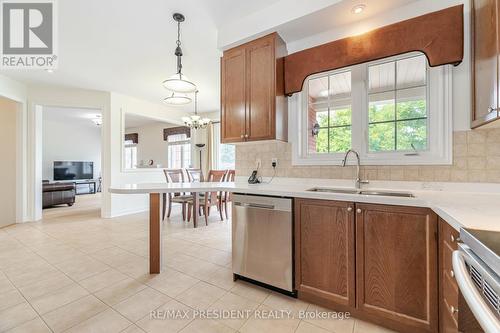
x: 125, y: 212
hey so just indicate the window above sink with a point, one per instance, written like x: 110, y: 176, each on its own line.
x: 394, y: 111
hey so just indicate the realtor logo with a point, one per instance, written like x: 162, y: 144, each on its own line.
x: 28, y: 34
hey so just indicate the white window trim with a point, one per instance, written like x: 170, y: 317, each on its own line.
x: 180, y: 143
x: 439, y: 95
x: 130, y: 145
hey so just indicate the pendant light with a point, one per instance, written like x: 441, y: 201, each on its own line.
x: 178, y: 82
x: 177, y: 99
x: 195, y: 121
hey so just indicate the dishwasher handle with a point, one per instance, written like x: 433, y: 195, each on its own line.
x: 254, y: 205
x: 477, y: 305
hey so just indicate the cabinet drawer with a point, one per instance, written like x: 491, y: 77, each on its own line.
x: 448, y: 323
x: 450, y: 293
x: 447, y: 265
x: 449, y: 235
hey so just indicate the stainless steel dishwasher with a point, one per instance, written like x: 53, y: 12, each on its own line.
x: 262, y: 240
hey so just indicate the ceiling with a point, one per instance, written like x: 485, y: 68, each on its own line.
x: 127, y: 46
x: 134, y: 120
x: 335, y: 16
x: 62, y: 114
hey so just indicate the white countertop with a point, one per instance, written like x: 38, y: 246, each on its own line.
x: 461, y: 205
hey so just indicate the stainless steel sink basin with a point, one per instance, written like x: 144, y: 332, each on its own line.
x: 388, y: 194
x: 367, y: 192
x: 333, y: 190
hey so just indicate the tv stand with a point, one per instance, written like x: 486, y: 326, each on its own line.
x: 94, y: 184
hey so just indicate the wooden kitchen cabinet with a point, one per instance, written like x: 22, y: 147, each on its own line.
x: 253, y: 105
x: 448, y: 288
x: 485, y: 65
x: 233, y: 95
x: 396, y: 266
x: 324, y: 252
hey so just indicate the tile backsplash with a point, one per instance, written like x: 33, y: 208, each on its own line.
x: 476, y: 158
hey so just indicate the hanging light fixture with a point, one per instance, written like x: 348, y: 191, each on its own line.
x: 179, y: 82
x: 177, y: 99
x: 195, y: 121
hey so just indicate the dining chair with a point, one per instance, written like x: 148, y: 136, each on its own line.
x: 175, y: 176
x: 194, y: 175
x: 226, y: 197
x: 210, y: 199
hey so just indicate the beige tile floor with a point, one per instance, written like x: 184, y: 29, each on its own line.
x: 76, y: 272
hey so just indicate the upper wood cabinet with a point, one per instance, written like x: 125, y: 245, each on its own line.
x: 253, y: 104
x: 324, y: 251
x: 485, y: 66
x: 396, y: 266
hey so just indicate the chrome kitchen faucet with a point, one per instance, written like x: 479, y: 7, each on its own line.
x: 358, y: 180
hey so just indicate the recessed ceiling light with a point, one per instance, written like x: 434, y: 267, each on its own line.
x: 358, y: 9
x: 50, y: 71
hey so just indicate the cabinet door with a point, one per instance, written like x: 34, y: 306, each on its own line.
x: 396, y: 262
x: 448, y: 288
x: 260, y: 118
x: 485, y: 61
x: 233, y: 95
x: 324, y: 251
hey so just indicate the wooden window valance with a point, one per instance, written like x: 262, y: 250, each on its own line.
x: 134, y: 137
x: 439, y: 35
x: 176, y: 130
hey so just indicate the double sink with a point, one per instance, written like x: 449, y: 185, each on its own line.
x: 361, y: 192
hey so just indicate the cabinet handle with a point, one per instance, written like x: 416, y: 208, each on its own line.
x: 452, y: 238
x: 246, y: 135
x: 452, y: 273
x: 242, y: 136
x: 453, y: 310
x: 349, y: 209
x: 358, y: 210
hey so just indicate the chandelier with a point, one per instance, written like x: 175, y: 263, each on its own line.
x: 195, y: 121
x: 178, y: 83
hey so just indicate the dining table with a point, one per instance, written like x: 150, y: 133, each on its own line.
x: 155, y: 190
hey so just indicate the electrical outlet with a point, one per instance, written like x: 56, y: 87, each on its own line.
x: 274, y: 162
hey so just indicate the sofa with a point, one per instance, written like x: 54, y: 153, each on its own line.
x: 58, y: 194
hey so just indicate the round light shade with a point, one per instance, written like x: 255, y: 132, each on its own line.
x: 179, y: 83
x: 177, y: 99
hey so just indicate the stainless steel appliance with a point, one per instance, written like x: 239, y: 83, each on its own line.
x: 262, y: 240
x: 476, y: 265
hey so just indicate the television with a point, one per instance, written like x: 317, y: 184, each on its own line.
x: 73, y: 170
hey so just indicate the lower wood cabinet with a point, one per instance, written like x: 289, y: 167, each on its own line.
x: 448, y: 288
x: 324, y: 251
x: 378, y: 262
x: 396, y: 266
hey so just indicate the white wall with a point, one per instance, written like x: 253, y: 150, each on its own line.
x: 69, y: 138
x: 17, y: 92
x: 113, y: 131
x: 461, y: 74
x: 8, y: 167
x: 151, y: 145
x: 40, y: 96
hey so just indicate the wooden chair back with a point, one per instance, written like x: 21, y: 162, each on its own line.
x: 195, y: 175
x: 216, y: 175
x: 230, y: 175
x: 174, y: 176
